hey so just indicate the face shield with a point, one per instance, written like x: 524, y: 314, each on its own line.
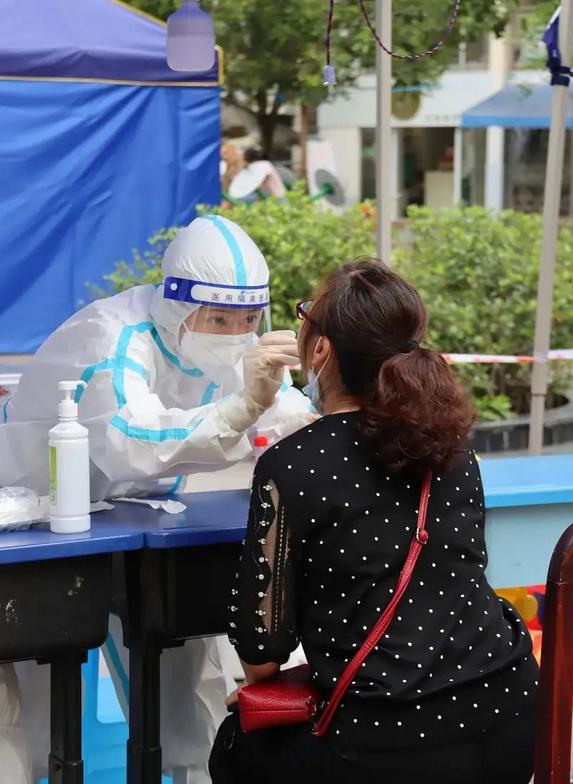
x: 223, y: 325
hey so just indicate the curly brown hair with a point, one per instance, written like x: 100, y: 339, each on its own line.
x: 412, y: 410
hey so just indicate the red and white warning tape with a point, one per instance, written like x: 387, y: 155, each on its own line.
x: 11, y: 379
x: 505, y: 359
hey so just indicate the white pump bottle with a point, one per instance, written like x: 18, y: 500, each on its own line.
x: 69, y: 460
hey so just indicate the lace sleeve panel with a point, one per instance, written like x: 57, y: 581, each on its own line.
x: 263, y: 618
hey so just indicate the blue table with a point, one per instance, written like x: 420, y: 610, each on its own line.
x: 210, y: 518
x: 188, y: 555
x: 39, y: 544
x: 529, y: 504
x: 55, y: 599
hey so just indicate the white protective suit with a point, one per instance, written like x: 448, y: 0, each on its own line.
x: 152, y: 419
x: 15, y: 765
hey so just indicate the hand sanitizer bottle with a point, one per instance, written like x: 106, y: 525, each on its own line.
x: 69, y: 460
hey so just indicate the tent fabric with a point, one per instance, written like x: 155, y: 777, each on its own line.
x: 516, y: 106
x: 86, y: 39
x: 101, y: 146
x: 90, y: 172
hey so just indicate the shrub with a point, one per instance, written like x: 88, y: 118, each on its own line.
x: 477, y: 272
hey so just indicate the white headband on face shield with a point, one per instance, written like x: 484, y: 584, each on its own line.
x: 198, y: 292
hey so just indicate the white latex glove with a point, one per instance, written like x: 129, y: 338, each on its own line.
x: 264, y: 364
x: 263, y: 372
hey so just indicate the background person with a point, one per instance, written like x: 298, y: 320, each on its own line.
x: 272, y: 184
x: 259, y: 179
x: 449, y: 692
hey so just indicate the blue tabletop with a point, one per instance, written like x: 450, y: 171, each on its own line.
x: 222, y: 516
x: 219, y: 517
x: 528, y: 481
x: 39, y: 544
x: 210, y: 518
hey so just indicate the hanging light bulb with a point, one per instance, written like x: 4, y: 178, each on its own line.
x: 190, y: 39
x: 329, y: 76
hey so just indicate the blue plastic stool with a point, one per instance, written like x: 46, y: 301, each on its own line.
x: 105, y: 730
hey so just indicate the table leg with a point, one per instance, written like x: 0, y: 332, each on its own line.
x: 144, y: 745
x: 65, y: 764
x: 182, y: 776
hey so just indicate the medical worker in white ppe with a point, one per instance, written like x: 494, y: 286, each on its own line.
x: 177, y: 381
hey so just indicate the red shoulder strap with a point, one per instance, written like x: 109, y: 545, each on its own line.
x: 418, y: 541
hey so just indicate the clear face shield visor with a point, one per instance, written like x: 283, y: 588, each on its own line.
x: 224, y: 325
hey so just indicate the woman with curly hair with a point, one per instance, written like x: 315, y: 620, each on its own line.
x: 448, y: 693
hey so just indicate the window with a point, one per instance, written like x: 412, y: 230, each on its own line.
x: 368, y: 159
x: 525, y: 162
x: 472, y: 55
x: 473, y: 166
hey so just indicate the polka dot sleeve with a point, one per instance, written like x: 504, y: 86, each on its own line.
x: 262, y: 612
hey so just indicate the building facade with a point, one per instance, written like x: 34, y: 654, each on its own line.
x: 436, y: 162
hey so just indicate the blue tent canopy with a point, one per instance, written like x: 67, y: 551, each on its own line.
x: 100, y: 147
x: 86, y: 39
x: 516, y: 106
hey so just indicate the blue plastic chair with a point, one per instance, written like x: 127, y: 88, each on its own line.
x: 105, y: 730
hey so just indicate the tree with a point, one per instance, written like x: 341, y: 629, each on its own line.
x: 274, y: 49
x: 533, y: 53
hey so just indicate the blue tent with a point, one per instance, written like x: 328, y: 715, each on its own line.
x: 516, y: 106
x: 101, y: 145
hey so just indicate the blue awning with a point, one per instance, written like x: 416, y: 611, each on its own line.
x: 87, y: 40
x: 516, y: 106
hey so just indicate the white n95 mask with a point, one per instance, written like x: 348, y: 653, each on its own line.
x: 216, y: 355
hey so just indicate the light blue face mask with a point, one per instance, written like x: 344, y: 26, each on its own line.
x: 312, y: 389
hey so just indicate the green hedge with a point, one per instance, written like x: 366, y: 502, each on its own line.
x: 476, y: 271
x: 478, y: 275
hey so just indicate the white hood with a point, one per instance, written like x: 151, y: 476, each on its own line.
x: 211, y: 249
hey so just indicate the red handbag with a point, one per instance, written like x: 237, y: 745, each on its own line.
x: 291, y: 697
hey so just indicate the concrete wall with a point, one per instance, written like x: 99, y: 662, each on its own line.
x: 347, y: 147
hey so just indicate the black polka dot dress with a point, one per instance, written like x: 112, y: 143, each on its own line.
x: 328, y: 533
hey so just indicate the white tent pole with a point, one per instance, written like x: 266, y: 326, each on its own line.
x: 552, y: 200
x: 384, y: 132
x: 571, y: 179
x: 458, y: 166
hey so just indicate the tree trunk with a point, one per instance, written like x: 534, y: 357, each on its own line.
x: 304, y: 134
x: 267, y: 125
